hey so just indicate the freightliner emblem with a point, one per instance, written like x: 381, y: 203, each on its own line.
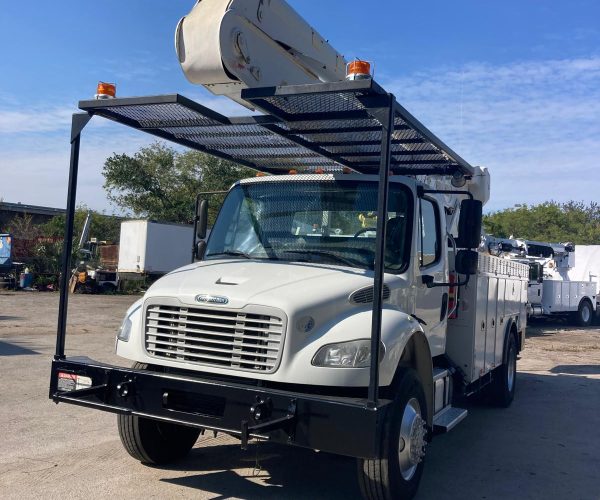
x: 211, y: 299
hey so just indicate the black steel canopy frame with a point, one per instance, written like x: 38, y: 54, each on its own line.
x: 309, y: 128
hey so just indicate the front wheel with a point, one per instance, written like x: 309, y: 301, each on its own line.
x: 398, y: 472
x: 153, y: 442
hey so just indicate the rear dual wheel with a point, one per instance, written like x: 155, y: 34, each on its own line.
x: 397, y: 473
x: 584, y: 314
x: 502, y: 389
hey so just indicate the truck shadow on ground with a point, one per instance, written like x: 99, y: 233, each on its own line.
x: 12, y: 349
x: 577, y: 369
x: 12, y: 318
x: 531, y: 450
x: 542, y: 327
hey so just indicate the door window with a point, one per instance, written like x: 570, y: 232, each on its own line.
x: 429, y: 231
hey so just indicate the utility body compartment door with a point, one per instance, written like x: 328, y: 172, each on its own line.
x: 491, y: 325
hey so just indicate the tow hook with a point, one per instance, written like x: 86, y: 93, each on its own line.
x: 262, y: 409
x: 126, y: 388
x: 260, y: 412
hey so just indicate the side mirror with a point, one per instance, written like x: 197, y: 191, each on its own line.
x: 466, y: 262
x: 469, y: 224
x: 202, y: 218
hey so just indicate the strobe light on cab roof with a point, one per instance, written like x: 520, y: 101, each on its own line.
x: 106, y: 91
x: 358, y: 70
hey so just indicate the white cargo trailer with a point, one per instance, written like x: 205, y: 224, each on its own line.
x: 153, y: 248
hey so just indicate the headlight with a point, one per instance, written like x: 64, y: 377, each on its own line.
x: 125, y: 328
x: 355, y: 354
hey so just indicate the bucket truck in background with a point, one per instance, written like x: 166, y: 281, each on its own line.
x: 552, y: 289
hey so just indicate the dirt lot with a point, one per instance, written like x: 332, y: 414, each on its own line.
x: 546, y: 446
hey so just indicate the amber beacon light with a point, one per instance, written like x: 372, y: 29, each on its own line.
x: 358, y: 70
x: 106, y: 90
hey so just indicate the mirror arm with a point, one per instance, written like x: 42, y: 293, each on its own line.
x: 432, y: 284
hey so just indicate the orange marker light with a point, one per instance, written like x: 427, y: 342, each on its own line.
x: 106, y: 90
x: 358, y: 70
x: 319, y: 171
x: 293, y: 172
x: 260, y: 174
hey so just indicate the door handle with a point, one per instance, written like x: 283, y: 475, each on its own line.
x: 444, y: 308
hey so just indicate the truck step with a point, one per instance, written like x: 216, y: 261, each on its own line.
x: 448, y: 418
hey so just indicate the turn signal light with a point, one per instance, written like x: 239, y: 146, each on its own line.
x: 293, y: 172
x: 106, y: 90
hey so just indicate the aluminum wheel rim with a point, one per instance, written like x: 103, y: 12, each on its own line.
x: 585, y: 314
x: 512, y: 369
x: 411, y: 446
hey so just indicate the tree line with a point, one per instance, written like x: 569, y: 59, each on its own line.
x: 551, y: 221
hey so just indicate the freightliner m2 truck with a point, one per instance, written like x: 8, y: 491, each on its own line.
x: 339, y: 303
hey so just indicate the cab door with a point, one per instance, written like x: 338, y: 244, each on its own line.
x: 431, y: 303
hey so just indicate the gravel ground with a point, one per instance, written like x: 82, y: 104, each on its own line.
x: 546, y: 446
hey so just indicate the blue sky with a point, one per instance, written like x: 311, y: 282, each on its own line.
x: 511, y: 85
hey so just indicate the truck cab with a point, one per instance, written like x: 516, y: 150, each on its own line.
x: 285, y: 289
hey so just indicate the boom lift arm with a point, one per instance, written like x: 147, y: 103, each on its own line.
x: 229, y: 45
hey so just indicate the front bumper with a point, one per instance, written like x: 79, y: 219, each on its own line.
x: 342, y: 425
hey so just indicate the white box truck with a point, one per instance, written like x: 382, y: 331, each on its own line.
x: 148, y: 248
x: 339, y: 303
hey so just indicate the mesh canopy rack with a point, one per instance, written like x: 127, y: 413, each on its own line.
x: 307, y: 128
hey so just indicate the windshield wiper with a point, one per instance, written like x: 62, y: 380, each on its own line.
x: 323, y: 253
x: 234, y: 253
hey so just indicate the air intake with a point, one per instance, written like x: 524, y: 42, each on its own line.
x: 365, y: 295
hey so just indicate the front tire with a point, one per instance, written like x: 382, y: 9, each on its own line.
x: 153, y: 442
x: 397, y: 473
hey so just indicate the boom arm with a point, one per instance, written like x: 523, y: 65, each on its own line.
x: 229, y: 45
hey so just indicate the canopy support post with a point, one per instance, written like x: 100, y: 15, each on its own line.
x: 386, y: 117
x: 78, y: 122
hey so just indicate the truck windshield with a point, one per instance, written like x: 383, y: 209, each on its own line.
x: 325, y: 221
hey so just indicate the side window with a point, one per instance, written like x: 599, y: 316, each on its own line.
x: 429, y: 227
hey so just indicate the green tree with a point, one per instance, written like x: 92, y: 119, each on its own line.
x: 549, y: 221
x: 103, y: 227
x: 161, y: 183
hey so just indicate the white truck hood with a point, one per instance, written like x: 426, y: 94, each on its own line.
x: 279, y: 284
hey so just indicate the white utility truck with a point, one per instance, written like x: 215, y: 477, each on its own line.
x: 552, y: 289
x: 339, y: 303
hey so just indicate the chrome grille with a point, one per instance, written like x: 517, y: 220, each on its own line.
x: 229, y: 339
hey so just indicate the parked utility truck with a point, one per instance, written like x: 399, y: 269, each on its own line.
x: 339, y: 303
x: 552, y: 289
